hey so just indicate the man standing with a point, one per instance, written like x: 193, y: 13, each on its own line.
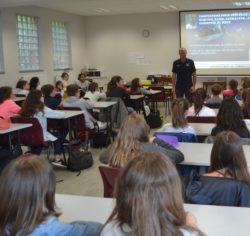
x: 184, y: 76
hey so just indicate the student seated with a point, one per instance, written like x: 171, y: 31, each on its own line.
x: 179, y: 122
x: 34, y: 107
x: 137, y: 88
x: 82, y: 82
x: 246, y: 103
x: 244, y: 84
x: 133, y: 138
x: 232, y: 91
x: 149, y: 200
x: 74, y: 100
x: 116, y: 90
x: 198, y: 108
x: 22, y: 88
x: 49, y: 94
x: 215, y: 99
x: 230, y: 118
x: 28, y: 205
x: 8, y: 107
x: 93, y: 94
x: 227, y: 182
x: 34, y: 83
x: 59, y: 90
x: 65, y: 79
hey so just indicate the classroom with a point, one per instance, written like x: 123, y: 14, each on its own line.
x: 124, y: 118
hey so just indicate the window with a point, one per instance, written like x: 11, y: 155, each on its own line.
x: 28, y: 42
x: 61, y: 52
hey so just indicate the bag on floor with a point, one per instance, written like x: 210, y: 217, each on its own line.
x: 101, y: 139
x: 79, y: 158
x: 154, y: 120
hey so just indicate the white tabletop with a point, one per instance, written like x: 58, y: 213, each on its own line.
x: 165, y: 87
x: 206, y: 128
x: 198, y: 154
x: 15, y: 127
x: 135, y: 97
x: 69, y: 114
x: 19, y: 99
x: 212, y: 220
x: 104, y: 104
x: 153, y: 92
x: 202, y: 128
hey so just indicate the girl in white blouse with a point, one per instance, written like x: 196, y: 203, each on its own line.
x: 34, y: 107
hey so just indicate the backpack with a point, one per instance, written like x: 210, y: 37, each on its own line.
x: 154, y: 120
x: 79, y: 158
x: 101, y: 139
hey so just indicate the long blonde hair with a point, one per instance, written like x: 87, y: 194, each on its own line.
x: 149, y: 197
x: 133, y: 132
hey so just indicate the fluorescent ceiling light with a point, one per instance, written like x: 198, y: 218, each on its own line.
x: 102, y: 10
x: 164, y: 7
x: 172, y: 6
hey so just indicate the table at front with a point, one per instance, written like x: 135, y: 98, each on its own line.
x: 14, y: 127
x: 207, y: 83
x: 106, y: 106
x: 198, y: 154
x: 213, y: 220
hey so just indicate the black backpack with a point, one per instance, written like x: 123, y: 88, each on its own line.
x: 154, y: 120
x: 101, y: 139
x: 79, y: 158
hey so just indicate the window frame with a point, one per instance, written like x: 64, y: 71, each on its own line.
x: 66, y: 25
x: 38, y: 44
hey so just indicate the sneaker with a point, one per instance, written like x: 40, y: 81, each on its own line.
x: 102, y: 125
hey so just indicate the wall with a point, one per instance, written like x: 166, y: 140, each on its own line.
x: 111, y: 39
x: 77, y: 37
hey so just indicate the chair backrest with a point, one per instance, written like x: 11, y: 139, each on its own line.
x: 201, y: 119
x: 32, y: 136
x: 109, y: 176
x: 182, y: 137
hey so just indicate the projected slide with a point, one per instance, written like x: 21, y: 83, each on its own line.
x: 218, y: 39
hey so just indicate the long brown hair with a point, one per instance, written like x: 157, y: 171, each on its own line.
x: 5, y: 93
x: 199, y: 97
x: 230, y: 117
x: 134, y: 131
x: 27, y: 193
x: 227, y: 153
x: 149, y: 197
x: 179, y: 107
x: 246, y: 101
x: 32, y: 104
x: 135, y: 85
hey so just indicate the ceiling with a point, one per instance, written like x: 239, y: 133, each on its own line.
x: 115, y: 7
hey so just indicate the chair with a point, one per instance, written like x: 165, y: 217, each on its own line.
x: 109, y: 176
x: 32, y: 136
x: 78, y: 127
x: 201, y: 119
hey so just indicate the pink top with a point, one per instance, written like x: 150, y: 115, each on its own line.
x: 228, y: 93
x: 8, y: 108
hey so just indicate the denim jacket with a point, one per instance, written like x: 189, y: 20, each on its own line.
x: 52, y: 226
